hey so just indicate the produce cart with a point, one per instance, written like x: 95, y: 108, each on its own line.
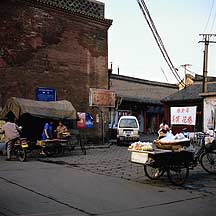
x: 158, y: 161
x: 54, y: 147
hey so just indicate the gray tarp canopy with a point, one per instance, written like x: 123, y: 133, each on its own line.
x: 55, y: 109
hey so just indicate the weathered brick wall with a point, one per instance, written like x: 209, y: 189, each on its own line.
x: 48, y: 48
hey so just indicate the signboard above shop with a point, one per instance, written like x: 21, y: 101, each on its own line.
x: 45, y: 94
x: 101, y: 98
x: 183, y: 115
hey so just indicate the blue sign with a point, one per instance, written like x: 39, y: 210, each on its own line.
x: 45, y: 94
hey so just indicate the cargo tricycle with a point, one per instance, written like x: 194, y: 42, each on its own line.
x: 176, y: 162
x: 32, y: 115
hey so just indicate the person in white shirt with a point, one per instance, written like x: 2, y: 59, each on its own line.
x: 12, y: 134
x: 164, y: 126
x: 163, y: 129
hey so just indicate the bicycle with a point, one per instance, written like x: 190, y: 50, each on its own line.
x: 206, y: 155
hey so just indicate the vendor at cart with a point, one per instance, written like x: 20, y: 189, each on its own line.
x: 47, y: 131
x: 61, y: 130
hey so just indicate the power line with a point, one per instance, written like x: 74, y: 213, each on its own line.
x: 212, y: 26
x: 209, y: 16
x: 164, y: 74
x: 158, y: 39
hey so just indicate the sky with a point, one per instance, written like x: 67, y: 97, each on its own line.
x: 132, y: 47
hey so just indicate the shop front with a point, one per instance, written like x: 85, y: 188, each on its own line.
x: 148, y: 112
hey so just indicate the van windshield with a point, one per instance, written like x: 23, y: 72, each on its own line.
x: 128, y: 123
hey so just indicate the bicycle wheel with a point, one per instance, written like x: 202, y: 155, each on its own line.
x: 153, y: 172
x: 208, y: 162
x: 178, y: 174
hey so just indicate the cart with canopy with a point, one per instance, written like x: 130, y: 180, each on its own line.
x: 32, y: 115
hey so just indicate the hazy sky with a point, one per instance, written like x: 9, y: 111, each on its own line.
x: 179, y: 23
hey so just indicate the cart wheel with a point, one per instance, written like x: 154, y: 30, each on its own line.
x: 153, y: 172
x: 60, y: 150
x: 21, y: 154
x: 178, y: 174
x: 53, y: 150
x: 48, y: 152
x: 208, y: 162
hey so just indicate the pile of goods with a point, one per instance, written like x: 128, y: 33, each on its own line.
x: 176, y: 142
x: 172, y: 142
x: 141, y: 146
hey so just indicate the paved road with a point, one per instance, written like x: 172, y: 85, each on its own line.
x: 103, y: 182
x: 114, y: 161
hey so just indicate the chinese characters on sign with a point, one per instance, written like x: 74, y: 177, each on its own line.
x: 101, y: 98
x: 45, y: 94
x: 183, y: 115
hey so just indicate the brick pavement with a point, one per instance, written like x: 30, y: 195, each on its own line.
x: 114, y: 161
x: 111, y: 161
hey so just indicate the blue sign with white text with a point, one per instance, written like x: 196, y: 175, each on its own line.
x: 45, y: 94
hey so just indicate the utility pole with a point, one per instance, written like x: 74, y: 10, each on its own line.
x: 185, y: 71
x: 206, y: 40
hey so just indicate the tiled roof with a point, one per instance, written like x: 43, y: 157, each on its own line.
x: 200, y: 78
x: 141, y: 100
x: 190, y: 93
x: 142, y: 81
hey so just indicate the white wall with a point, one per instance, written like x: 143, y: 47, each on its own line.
x: 209, y: 117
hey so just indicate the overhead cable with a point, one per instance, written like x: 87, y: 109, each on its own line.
x: 158, y: 39
x: 210, y: 13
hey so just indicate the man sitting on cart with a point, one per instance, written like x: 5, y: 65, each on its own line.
x: 61, y: 131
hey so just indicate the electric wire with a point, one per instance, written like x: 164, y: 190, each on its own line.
x: 158, y: 39
x: 154, y: 34
x: 212, y: 26
x: 164, y: 74
x: 210, y: 13
x: 161, y: 42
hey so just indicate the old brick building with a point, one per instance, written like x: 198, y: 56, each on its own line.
x: 56, y: 44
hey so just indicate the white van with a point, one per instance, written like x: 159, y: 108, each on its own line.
x: 127, y: 129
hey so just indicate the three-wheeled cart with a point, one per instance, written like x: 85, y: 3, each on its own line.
x: 159, y: 161
x: 55, y: 147
x: 32, y: 115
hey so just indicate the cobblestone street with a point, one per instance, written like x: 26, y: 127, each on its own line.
x: 115, y: 161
